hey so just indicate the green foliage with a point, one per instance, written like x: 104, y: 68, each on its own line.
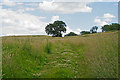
x: 71, y: 34
x: 94, y: 29
x: 56, y: 29
x: 113, y: 26
x: 84, y: 32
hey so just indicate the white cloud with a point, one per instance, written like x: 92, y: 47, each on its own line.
x: 68, y: 30
x: 19, y: 3
x: 8, y: 3
x: 65, y: 8
x: 100, y: 21
x: 25, y: 9
x: 54, y: 18
x: 21, y: 23
x: 101, y: 0
x: 70, y: 0
x: 32, y: 4
x: 15, y: 23
x: 33, y: 1
x: 20, y: 10
x: 108, y: 15
x: 29, y: 9
x: 77, y: 31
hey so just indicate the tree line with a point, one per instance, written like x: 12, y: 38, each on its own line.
x: 58, y: 27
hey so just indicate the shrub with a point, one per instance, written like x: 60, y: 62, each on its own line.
x: 84, y: 32
x: 71, y: 34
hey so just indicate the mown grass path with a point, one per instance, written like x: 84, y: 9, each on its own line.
x: 67, y: 63
x: 87, y: 56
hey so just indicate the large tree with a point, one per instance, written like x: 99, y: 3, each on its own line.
x: 56, y: 28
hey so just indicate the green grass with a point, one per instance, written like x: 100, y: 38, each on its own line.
x: 86, y: 56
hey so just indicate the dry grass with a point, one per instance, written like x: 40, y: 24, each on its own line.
x: 86, y: 56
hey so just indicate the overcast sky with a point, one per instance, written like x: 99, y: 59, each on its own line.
x: 30, y: 18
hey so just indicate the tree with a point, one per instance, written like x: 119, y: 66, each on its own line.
x: 113, y: 26
x: 71, y: 34
x: 56, y: 28
x: 94, y: 29
x: 105, y: 28
x: 85, y: 32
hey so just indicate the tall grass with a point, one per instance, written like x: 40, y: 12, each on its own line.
x: 48, y: 47
x: 86, y: 56
x: 0, y: 57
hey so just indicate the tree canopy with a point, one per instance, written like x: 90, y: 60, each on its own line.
x: 85, y: 32
x: 94, y: 29
x: 113, y: 26
x: 71, y: 34
x: 56, y: 29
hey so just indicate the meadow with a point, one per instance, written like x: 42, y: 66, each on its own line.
x: 84, y: 56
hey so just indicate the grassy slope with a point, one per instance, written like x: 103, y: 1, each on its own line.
x: 87, y: 56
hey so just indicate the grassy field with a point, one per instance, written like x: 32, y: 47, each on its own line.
x: 85, y: 56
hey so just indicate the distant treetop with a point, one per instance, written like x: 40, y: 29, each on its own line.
x: 71, y: 34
